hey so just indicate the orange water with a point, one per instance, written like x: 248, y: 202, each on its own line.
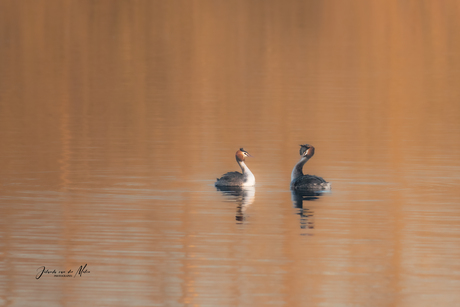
x: 117, y: 116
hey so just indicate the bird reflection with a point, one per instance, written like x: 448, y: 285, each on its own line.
x: 306, y: 215
x: 243, y: 196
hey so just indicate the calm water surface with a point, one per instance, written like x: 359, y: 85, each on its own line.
x: 117, y: 117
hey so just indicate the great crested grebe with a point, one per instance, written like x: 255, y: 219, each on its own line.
x: 299, y: 181
x: 236, y: 179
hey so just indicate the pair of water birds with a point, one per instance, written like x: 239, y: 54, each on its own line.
x: 299, y: 181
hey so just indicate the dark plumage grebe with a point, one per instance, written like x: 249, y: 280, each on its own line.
x: 236, y: 179
x: 299, y: 181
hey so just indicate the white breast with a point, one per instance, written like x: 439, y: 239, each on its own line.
x: 250, y: 180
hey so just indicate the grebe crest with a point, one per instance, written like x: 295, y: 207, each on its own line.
x: 299, y: 181
x: 237, y: 179
x: 241, y: 155
x: 307, y: 150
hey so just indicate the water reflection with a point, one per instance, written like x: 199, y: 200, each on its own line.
x: 242, y: 196
x: 306, y: 215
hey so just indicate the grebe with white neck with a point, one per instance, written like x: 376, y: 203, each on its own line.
x: 299, y: 181
x: 236, y: 179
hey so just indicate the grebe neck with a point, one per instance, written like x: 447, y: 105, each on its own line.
x: 297, y: 170
x: 249, y: 179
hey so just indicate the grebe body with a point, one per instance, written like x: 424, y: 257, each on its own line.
x: 299, y: 181
x: 236, y: 179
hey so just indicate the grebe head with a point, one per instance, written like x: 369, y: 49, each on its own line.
x: 241, y: 155
x: 307, y: 151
